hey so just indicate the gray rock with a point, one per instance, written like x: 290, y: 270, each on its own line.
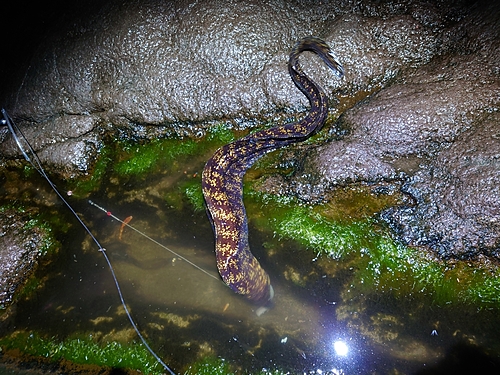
x: 76, y: 145
x: 457, y: 210
x: 149, y: 63
x: 415, y: 118
x: 19, y: 248
x: 435, y: 126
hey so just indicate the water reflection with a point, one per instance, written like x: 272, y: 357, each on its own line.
x: 181, y: 298
x: 321, y: 322
x: 341, y: 348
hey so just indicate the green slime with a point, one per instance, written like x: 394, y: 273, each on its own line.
x: 84, y: 351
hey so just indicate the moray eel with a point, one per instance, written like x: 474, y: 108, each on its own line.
x: 222, y: 179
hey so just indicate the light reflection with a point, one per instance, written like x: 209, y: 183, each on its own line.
x: 341, y: 348
x: 342, y: 352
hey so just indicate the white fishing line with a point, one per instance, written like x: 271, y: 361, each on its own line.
x: 156, y: 242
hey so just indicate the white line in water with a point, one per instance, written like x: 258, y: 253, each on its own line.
x: 154, y: 241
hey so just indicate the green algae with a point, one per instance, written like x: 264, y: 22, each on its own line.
x: 210, y: 366
x: 134, y: 356
x: 315, y: 232
x: 219, y: 366
x: 186, y: 194
x: 35, y: 222
x: 194, y: 194
x: 168, y: 153
x: 84, y: 350
x: 180, y: 158
x: 484, y: 290
x: 85, y: 186
x: 142, y: 159
x: 379, y: 263
x: 29, y: 288
x: 139, y: 159
x: 28, y: 171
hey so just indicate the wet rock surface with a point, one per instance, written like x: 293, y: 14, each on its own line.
x: 19, y: 249
x: 457, y: 210
x: 438, y: 127
x: 135, y: 64
x: 66, y: 142
x: 419, y: 98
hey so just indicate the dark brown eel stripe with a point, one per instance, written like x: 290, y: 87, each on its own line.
x: 222, y: 179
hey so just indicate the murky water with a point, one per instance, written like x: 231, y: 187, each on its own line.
x: 319, y: 321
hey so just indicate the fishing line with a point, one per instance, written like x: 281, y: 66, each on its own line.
x: 154, y: 241
x: 36, y: 163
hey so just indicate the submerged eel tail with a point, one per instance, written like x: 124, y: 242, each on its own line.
x: 222, y: 179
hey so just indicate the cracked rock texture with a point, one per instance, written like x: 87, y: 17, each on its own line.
x: 457, y: 210
x: 419, y: 101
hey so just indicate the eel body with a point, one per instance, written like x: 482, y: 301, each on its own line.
x: 222, y: 178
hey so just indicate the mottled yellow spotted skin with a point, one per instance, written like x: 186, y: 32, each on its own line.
x: 222, y: 179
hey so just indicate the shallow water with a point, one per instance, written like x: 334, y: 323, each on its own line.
x: 320, y: 322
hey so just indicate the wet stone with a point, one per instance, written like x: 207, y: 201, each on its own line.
x: 457, y: 210
x: 135, y: 64
x: 19, y: 249
x: 68, y: 144
x: 434, y: 128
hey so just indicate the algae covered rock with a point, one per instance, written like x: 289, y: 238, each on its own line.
x: 432, y: 129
